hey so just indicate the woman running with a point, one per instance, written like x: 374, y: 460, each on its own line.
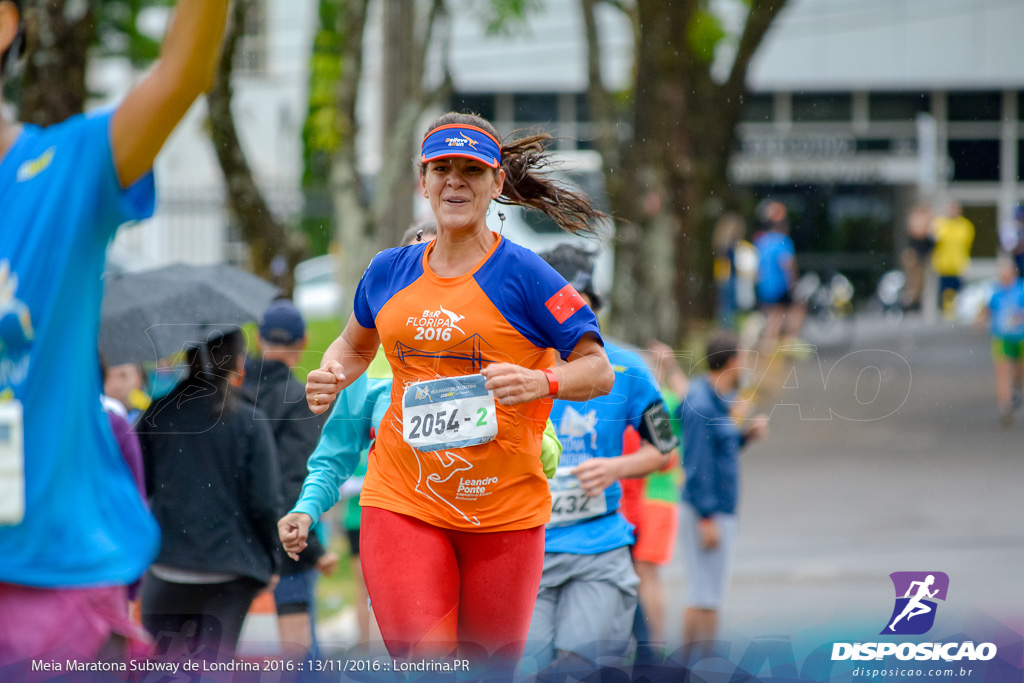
x: 455, y: 500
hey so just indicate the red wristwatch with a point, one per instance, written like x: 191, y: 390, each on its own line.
x: 552, y: 382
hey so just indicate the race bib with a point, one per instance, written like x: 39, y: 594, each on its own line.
x: 12, y: 464
x: 451, y: 412
x: 569, y: 504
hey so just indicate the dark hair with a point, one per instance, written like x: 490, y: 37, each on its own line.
x: 16, y: 49
x: 722, y: 347
x: 213, y: 363
x: 576, y: 265
x: 418, y: 232
x: 522, y: 161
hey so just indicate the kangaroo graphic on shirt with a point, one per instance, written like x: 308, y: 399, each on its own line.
x: 453, y: 318
x: 453, y: 464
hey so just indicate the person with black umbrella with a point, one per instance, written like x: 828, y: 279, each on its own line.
x: 73, y: 529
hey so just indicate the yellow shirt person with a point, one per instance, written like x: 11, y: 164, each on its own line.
x: 954, y: 236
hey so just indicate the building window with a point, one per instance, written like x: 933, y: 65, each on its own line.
x: 1020, y: 160
x: 808, y: 107
x: 897, y: 106
x: 536, y: 107
x: 582, y: 108
x: 976, y: 160
x: 758, y: 107
x: 251, y: 53
x: 481, y: 104
x: 975, y: 106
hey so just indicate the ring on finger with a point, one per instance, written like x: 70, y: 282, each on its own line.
x: 316, y: 399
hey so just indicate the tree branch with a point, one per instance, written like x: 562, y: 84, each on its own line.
x: 760, y: 19
x: 265, y: 236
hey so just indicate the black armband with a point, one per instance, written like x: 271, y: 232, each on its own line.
x: 656, y: 428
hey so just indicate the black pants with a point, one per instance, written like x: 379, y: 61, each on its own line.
x: 196, y: 620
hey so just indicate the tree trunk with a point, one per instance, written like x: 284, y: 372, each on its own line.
x: 367, y: 227
x: 667, y: 176
x: 59, y: 35
x: 355, y: 239
x: 265, y: 236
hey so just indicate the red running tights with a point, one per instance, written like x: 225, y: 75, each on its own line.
x: 433, y: 589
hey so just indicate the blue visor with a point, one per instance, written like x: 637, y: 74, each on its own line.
x: 458, y: 140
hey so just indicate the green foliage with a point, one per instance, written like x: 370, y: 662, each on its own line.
x: 704, y: 33
x: 118, y: 34
x: 507, y: 17
x: 321, y: 135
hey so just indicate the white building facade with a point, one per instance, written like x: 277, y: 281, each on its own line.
x: 858, y: 108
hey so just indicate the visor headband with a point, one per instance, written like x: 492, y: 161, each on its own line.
x: 459, y: 140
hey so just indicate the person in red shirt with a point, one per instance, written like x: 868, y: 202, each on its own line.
x: 455, y: 500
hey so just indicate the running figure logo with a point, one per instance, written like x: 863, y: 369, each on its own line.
x: 914, y: 612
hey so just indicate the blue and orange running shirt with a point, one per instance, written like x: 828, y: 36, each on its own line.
x: 512, y: 307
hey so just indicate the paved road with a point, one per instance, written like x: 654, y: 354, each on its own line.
x: 830, y: 507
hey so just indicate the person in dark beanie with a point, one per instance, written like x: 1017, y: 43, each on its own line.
x: 272, y: 388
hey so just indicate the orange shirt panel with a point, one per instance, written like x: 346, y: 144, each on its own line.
x: 445, y: 328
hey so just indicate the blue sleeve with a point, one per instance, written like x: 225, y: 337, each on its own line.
x: 536, y: 300
x: 361, y: 303
x: 390, y: 271
x: 345, y: 436
x: 699, y: 462
x: 643, y: 391
x: 116, y: 205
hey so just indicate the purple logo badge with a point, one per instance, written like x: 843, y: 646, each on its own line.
x: 916, y: 592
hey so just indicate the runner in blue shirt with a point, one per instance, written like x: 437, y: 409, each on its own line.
x: 776, y: 277
x: 588, y: 597
x: 73, y: 529
x: 1005, y: 312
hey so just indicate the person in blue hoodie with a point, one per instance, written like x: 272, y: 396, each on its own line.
x: 714, y: 438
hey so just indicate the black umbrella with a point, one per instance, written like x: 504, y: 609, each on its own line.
x: 153, y: 314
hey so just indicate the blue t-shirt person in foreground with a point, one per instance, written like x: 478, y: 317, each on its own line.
x: 712, y: 462
x: 73, y: 529
x: 588, y: 598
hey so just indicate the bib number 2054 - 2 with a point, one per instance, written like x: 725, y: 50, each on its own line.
x: 451, y: 412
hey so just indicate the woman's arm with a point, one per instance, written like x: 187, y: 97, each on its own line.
x: 345, y: 359
x: 587, y: 375
x: 345, y: 436
x: 188, y: 60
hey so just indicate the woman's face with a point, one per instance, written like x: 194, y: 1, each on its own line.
x: 460, y: 190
